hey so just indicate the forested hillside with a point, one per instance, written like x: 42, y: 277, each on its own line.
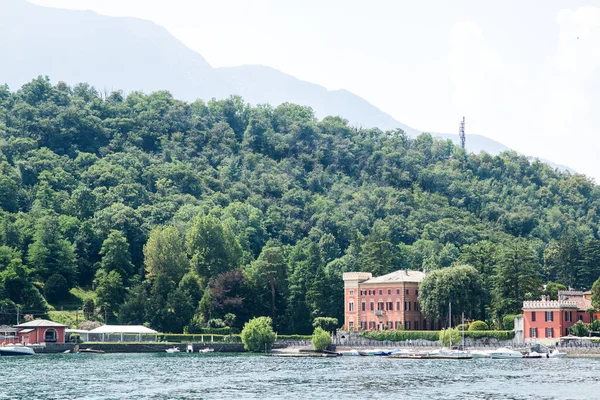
x: 181, y: 215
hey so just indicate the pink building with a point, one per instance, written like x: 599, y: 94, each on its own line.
x: 546, y: 320
x: 41, y: 331
x: 386, y: 302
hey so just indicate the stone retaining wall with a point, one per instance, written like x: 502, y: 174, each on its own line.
x: 138, y: 347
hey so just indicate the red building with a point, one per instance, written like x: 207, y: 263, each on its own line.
x: 547, y: 320
x: 41, y: 331
x: 386, y: 302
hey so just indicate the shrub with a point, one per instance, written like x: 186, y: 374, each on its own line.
x: 508, y: 322
x: 75, y: 338
x: 215, y: 323
x: 328, y: 324
x: 580, y: 329
x: 56, y: 288
x: 258, y: 334
x: 89, y: 308
x: 320, y: 339
x: 478, y: 326
x: 449, y: 336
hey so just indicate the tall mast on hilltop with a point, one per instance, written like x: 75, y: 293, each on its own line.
x: 461, y: 133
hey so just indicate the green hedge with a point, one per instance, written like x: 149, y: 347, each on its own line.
x: 397, y: 336
x: 294, y: 337
x: 500, y: 335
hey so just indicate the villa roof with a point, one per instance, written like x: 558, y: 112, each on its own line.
x: 37, y: 323
x: 402, y: 275
x: 137, y: 329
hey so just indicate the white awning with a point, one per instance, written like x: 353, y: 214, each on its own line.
x: 132, y: 329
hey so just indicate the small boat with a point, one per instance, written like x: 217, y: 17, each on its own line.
x: 350, y: 353
x: 190, y: 348
x: 556, y: 354
x: 504, y: 353
x: 480, y: 353
x: 329, y: 353
x: 402, y: 352
x: 449, y: 354
x: 532, y: 354
x: 374, y: 352
x: 89, y: 350
x: 206, y: 350
x: 16, y: 350
x: 172, y: 350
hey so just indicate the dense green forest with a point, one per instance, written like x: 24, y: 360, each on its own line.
x: 147, y: 209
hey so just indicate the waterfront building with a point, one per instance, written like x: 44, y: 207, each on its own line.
x: 123, y: 333
x: 41, y: 331
x: 546, y: 320
x: 386, y: 302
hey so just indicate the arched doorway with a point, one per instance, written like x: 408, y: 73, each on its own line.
x: 50, y: 335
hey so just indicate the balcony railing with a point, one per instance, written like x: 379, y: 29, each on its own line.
x: 380, y: 313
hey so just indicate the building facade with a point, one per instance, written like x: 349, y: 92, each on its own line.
x: 386, y: 302
x: 545, y: 320
x: 41, y: 331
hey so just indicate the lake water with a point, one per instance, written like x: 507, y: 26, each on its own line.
x: 223, y: 376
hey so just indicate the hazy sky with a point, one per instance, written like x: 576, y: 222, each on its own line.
x: 526, y: 73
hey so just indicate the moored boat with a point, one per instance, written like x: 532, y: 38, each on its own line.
x: 532, y: 354
x: 16, y: 350
x: 556, y: 354
x: 374, y: 352
x: 480, y: 353
x: 505, y: 353
x: 89, y: 350
x: 206, y: 350
x: 173, y: 350
x: 350, y: 353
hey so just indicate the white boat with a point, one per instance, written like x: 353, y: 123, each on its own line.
x: 445, y: 352
x: 350, y: 353
x: 16, y: 350
x: 505, y: 352
x: 374, y: 352
x: 534, y: 354
x: 480, y: 353
x: 556, y: 354
x: 402, y: 352
x: 173, y: 350
x: 206, y: 350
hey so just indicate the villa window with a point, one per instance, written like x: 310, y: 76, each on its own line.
x: 390, y: 325
x: 364, y: 306
x: 533, y: 316
x: 380, y: 291
x: 406, y: 291
x: 351, y: 306
x: 533, y: 332
x: 363, y: 325
x: 397, y: 291
x: 416, y: 292
x: 351, y: 324
x: 568, y: 316
x: 397, y: 306
x: 407, y: 325
x: 549, y: 332
x: 549, y: 316
x: 380, y: 306
x: 398, y: 325
x: 416, y: 325
x: 372, y: 306
x: 389, y: 291
x: 407, y: 306
x: 352, y: 293
x: 389, y: 306
x: 416, y: 306
x: 372, y: 325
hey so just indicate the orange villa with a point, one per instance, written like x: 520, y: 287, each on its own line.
x: 385, y: 302
x: 547, y: 320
